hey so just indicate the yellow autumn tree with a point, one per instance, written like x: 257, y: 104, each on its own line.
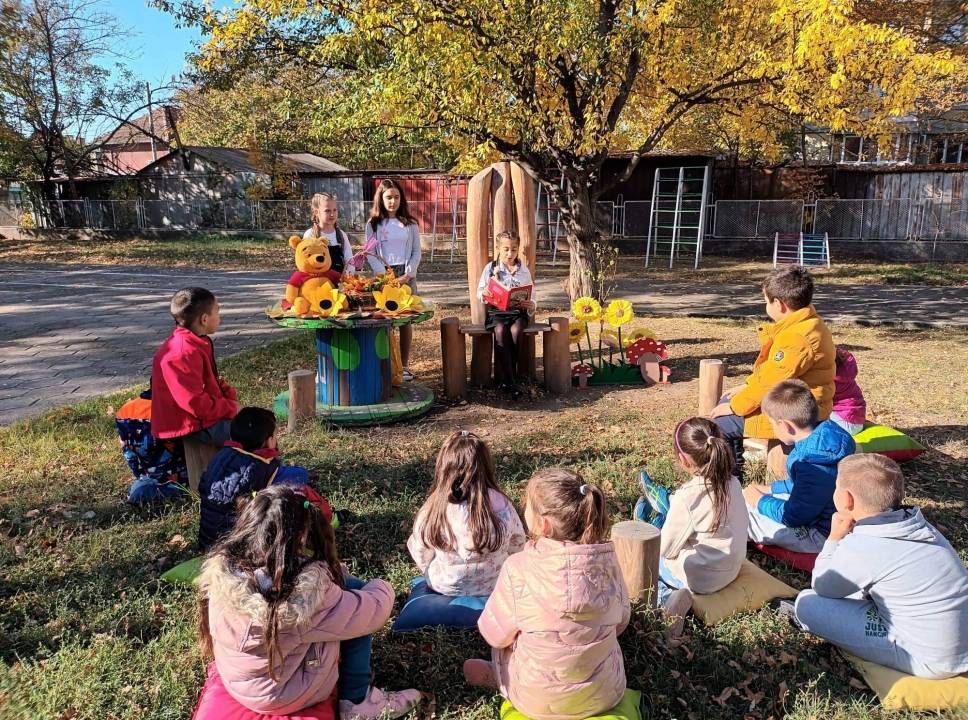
x: 556, y: 84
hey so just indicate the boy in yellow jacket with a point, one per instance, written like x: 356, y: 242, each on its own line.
x: 797, y: 344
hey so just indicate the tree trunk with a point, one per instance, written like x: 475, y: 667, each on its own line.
x: 579, y: 217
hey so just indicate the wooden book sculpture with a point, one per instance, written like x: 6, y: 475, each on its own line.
x: 501, y: 198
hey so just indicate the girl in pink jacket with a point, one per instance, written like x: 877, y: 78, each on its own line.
x: 284, y: 622
x: 554, y: 618
x: 850, y: 408
x: 467, y: 528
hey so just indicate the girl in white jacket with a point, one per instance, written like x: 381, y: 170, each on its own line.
x: 704, y: 535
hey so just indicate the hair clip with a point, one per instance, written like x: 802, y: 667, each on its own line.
x: 583, y: 489
x: 307, y: 504
x: 464, y: 433
x: 254, y: 493
x: 709, y: 439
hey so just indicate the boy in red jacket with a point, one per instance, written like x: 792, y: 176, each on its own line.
x: 188, y: 398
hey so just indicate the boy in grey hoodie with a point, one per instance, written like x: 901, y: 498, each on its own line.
x: 887, y: 586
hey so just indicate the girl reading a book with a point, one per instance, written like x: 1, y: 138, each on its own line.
x: 507, y: 272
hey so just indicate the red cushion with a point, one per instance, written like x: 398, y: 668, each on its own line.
x: 799, y: 560
x: 215, y: 703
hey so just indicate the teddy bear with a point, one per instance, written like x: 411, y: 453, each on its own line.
x: 313, y: 268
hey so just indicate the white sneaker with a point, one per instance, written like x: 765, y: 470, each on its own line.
x: 407, y: 375
x: 380, y: 704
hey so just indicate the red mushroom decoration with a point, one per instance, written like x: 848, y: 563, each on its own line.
x: 582, y: 371
x: 646, y: 353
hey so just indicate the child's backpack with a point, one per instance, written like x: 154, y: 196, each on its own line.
x: 158, y: 465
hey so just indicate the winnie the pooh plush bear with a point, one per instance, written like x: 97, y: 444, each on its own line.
x: 313, y: 269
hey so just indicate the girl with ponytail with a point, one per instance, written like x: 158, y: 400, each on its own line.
x: 704, y: 533
x: 467, y: 527
x: 284, y: 622
x: 559, y: 606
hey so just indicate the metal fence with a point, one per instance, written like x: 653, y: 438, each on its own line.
x: 891, y: 220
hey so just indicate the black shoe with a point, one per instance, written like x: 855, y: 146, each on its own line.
x: 516, y: 392
x: 787, y: 609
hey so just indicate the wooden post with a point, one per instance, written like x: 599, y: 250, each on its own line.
x: 453, y: 351
x: 479, y: 242
x: 637, y: 548
x: 302, y: 397
x: 526, y: 359
x: 557, y: 356
x: 502, y: 217
x: 197, y: 456
x: 482, y: 348
x: 525, y: 204
x: 711, y: 374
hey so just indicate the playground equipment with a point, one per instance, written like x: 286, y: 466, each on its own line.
x: 677, y: 213
x: 801, y: 249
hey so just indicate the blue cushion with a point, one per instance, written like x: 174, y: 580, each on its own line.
x: 426, y: 608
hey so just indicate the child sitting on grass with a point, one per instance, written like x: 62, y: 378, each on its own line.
x: 188, y: 398
x: 248, y: 463
x: 284, y: 622
x: 887, y: 587
x: 554, y: 618
x: 704, y: 533
x: 850, y: 408
x: 797, y: 345
x: 795, y: 513
x: 467, y: 528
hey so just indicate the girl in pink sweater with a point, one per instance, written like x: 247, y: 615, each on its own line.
x: 283, y: 620
x: 554, y: 618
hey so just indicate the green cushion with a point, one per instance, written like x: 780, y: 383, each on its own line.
x: 184, y: 574
x: 627, y: 709
x: 887, y: 441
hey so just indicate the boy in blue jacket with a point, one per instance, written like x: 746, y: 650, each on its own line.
x: 795, y: 513
x: 248, y: 463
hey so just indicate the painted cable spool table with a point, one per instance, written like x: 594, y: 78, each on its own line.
x: 353, y: 368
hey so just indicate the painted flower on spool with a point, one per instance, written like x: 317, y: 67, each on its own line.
x: 327, y: 301
x: 576, y: 332
x: 586, y: 309
x: 618, y: 313
x: 395, y: 300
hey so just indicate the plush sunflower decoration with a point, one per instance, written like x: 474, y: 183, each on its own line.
x: 610, y: 338
x: 619, y: 313
x: 327, y: 301
x: 576, y: 332
x: 395, y: 300
x: 586, y: 309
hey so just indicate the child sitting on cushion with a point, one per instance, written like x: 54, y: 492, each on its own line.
x: 797, y: 345
x: 850, y: 408
x: 704, y: 533
x: 467, y: 528
x: 287, y: 626
x: 188, y: 398
x: 887, y: 587
x: 559, y: 606
x: 248, y: 463
x: 795, y: 513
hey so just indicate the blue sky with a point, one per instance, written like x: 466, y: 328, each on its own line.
x: 157, y: 48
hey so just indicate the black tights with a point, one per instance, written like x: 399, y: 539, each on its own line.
x: 507, y: 336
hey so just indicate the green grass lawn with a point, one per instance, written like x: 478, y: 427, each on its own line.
x: 88, y: 631
x: 243, y: 252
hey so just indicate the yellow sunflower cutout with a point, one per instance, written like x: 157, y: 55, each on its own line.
x: 639, y: 334
x: 586, y: 309
x: 327, y: 301
x: 618, y: 313
x: 576, y: 332
x: 394, y: 300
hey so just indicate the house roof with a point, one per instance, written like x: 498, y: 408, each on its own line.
x: 137, y: 130
x: 240, y: 160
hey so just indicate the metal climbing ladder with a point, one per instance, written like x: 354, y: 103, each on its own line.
x: 677, y: 213
x: 808, y: 249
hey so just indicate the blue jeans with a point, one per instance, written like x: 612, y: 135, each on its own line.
x: 354, y: 660
x: 147, y: 489
x: 668, y: 583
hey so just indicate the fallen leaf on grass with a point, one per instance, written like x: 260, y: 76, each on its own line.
x: 782, y: 691
x: 725, y: 695
x: 857, y: 684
